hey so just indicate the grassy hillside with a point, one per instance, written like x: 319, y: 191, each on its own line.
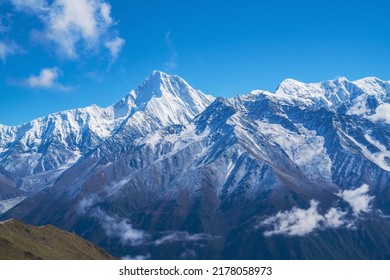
x: 19, y: 241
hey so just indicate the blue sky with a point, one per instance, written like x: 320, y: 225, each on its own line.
x: 62, y: 54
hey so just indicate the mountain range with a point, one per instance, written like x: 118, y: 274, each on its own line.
x: 169, y: 172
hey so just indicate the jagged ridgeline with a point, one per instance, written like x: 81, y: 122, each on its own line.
x: 169, y: 172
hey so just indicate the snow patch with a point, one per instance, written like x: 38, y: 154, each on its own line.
x: 359, y: 106
x: 8, y: 204
x: 306, y: 149
x: 378, y: 158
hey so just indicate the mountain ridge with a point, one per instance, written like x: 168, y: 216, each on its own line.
x: 263, y: 163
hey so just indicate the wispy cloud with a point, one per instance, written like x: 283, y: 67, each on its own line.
x: 115, y: 46
x: 114, y: 226
x: 120, y: 228
x: 7, y: 49
x: 73, y: 26
x: 87, y: 203
x: 171, y: 64
x: 105, y: 10
x: 47, y: 79
x: 181, y: 236
x: 299, y: 222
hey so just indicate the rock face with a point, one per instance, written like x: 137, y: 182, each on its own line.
x: 264, y: 175
x: 19, y: 241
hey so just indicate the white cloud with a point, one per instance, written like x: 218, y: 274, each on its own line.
x: 335, y: 218
x: 7, y: 49
x: 47, y: 79
x: 295, y: 222
x: 115, y: 46
x: 71, y: 22
x: 73, y: 26
x: 105, y: 10
x: 382, y: 113
x: 181, y: 236
x: 120, y: 228
x: 303, y: 221
x: 358, y: 199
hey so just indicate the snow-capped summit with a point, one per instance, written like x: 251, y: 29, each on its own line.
x: 47, y: 146
x: 169, y: 98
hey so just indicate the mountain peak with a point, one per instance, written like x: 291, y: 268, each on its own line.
x: 341, y: 79
x: 297, y: 89
x: 154, y: 86
x: 149, y: 89
x: 158, y: 78
x: 158, y: 73
x: 169, y: 90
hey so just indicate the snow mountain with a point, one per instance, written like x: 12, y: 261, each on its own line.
x: 176, y: 174
x: 37, y: 152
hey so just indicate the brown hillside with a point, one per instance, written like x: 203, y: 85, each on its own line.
x: 19, y: 241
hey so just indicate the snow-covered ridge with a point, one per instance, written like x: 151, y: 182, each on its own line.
x: 358, y: 97
x: 47, y: 146
x: 369, y: 85
x: 60, y: 139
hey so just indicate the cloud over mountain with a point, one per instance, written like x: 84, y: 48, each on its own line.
x: 304, y: 221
